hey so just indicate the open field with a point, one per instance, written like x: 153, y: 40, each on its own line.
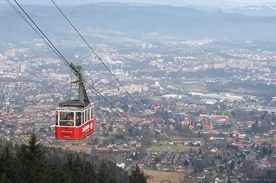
x: 77, y: 148
x: 173, y: 148
x: 182, y: 139
x: 162, y: 148
x: 167, y: 177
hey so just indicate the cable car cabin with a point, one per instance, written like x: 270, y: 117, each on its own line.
x: 74, y: 122
x: 75, y: 118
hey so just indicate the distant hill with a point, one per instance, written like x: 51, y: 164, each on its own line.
x: 115, y: 22
x: 268, y: 11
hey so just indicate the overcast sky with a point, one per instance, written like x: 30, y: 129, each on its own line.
x: 218, y: 3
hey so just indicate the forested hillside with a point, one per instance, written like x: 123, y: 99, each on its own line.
x: 34, y: 163
x: 114, y: 22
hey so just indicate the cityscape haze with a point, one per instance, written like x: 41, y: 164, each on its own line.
x: 187, y: 88
x: 216, y: 3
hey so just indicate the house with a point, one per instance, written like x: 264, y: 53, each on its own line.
x: 251, y: 156
x: 120, y: 162
x: 141, y: 165
x: 138, y: 144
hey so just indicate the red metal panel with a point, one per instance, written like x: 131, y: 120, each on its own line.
x: 77, y: 132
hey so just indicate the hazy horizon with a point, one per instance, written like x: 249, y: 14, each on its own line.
x: 215, y: 3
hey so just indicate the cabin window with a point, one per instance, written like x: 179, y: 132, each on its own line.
x: 88, y: 114
x: 66, y: 119
x: 82, y: 117
x: 79, y: 120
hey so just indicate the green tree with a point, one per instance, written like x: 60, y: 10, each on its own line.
x: 110, y: 128
x: 232, y: 165
x: 77, y: 170
x: 137, y: 176
x: 200, y: 151
x: 31, y: 165
x: 186, y: 163
x: 89, y: 174
x: 6, y: 166
x: 96, y: 141
x: 103, y: 175
x: 68, y: 170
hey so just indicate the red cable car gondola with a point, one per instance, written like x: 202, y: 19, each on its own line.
x: 75, y: 118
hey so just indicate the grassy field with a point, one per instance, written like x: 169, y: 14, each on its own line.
x: 158, y: 176
x: 173, y: 148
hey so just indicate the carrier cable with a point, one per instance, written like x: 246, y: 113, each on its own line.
x: 41, y: 36
x: 63, y: 58
x: 51, y: 45
x: 98, y: 56
x: 106, y: 100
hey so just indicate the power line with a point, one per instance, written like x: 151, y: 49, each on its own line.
x: 97, y: 55
x: 51, y: 45
x: 106, y: 99
x: 41, y: 36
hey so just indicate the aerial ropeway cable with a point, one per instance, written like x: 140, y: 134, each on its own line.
x: 99, y: 58
x: 53, y: 47
x: 38, y: 31
x: 73, y: 122
x: 75, y: 118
